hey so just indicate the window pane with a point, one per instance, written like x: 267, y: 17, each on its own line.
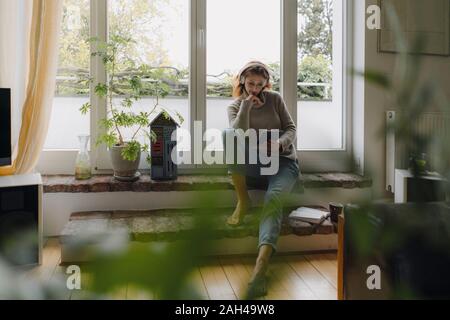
x: 319, y: 87
x: 237, y: 32
x: 160, y: 29
x: 72, y: 80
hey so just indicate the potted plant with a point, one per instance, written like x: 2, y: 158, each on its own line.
x: 127, y: 83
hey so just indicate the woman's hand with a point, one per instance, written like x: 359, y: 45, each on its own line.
x: 273, y: 145
x: 255, y: 101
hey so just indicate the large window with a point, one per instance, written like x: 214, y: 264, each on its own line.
x: 195, y: 47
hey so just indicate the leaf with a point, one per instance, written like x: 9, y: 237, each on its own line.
x: 142, y: 119
x: 127, y: 103
x: 108, y: 139
x: 123, y: 119
x: 107, y: 58
x: 107, y: 124
x: 131, y: 150
x: 101, y: 90
x: 376, y: 78
x: 180, y: 117
x: 136, y: 84
x: 85, y: 108
x: 151, y: 136
x: 93, y: 39
x: 165, y: 114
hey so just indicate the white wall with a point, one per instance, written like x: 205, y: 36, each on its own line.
x: 376, y: 102
x: 14, y: 20
x: 358, y: 51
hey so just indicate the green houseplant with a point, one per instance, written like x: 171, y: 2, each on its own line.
x: 123, y: 128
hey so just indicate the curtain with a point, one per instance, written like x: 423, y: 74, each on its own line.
x: 42, y: 29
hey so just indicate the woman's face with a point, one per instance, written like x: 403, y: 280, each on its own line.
x: 254, y: 84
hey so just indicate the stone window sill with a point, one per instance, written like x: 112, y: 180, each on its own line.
x: 106, y: 183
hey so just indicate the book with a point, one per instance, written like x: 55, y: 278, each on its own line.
x: 314, y: 216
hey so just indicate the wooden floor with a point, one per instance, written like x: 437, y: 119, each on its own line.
x: 293, y: 277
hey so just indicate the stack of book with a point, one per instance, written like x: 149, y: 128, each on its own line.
x: 310, y: 215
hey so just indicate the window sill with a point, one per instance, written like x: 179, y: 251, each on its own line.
x: 106, y: 183
x: 171, y: 224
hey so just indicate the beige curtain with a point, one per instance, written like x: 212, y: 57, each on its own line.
x: 41, y: 73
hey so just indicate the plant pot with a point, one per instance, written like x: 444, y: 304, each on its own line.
x: 124, y: 170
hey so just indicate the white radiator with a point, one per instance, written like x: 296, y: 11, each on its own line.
x: 397, y: 157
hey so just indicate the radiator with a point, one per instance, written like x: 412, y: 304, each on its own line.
x: 397, y: 157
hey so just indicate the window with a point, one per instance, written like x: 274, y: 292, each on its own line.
x: 72, y: 80
x: 160, y: 29
x: 236, y: 36
x: 319, y: 75
x: 195, y: 47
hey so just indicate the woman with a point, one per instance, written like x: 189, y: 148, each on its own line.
x: 256, y: 107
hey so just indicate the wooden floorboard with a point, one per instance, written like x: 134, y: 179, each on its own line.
x: 298, y: 277
x: 282, y: 273
x: 327, y: 268
x: 238, y: 275
x: 316, y: 282
x: 83, y: 293
x: 216, y: 282
x: 332, y: 258
x: 59, y: 276
x: 196, y: 281
x: 249, y: 264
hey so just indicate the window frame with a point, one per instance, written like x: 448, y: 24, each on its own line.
x: 338, y: 160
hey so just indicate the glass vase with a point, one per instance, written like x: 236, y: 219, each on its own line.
x: 83, y: 161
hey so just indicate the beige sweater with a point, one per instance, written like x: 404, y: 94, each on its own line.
x: 272, y: 115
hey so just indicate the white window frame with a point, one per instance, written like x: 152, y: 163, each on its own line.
x: 62, y: 161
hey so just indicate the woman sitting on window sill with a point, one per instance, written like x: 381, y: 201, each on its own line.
x: 258, y: 108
